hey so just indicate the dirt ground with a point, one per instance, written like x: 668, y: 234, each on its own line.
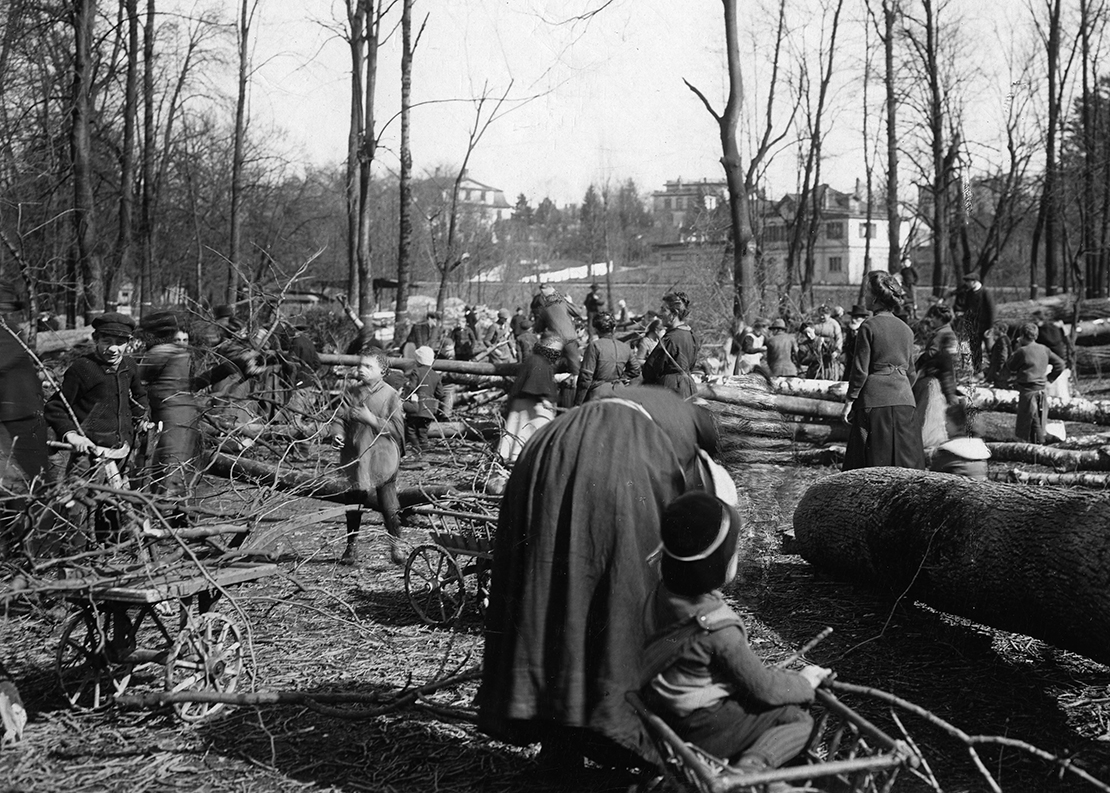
x: 318, y: 626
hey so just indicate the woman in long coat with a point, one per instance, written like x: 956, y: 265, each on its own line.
x: 881, y: 409
x: 578, y: 521
x: 673, y: 358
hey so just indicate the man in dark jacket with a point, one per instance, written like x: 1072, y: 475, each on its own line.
x: 975, y: 307
x: 103, y: 389
x: 101, y: 400
x: 22, y: 431
x: 423, y: 394
x: 1034, y: 366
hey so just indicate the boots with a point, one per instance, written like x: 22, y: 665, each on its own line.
x: 350, y: 554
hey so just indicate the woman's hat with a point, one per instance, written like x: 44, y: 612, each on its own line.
x: 425, y: 356
x: 699, y: 534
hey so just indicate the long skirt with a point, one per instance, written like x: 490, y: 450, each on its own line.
x: 882, y: 436
x: 932, y: 408
x: 178, y: 445
x: 564, y: 630
x: 525, y: 416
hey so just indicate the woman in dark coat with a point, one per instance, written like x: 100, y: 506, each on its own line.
x: 881, y: 409
x: 166, y: 369
x: 673, y: 358
x: 608, y: 363
x: 578, y: 521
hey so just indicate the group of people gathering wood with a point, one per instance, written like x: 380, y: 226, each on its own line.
x: 617, y: 528
x: 902, y: 376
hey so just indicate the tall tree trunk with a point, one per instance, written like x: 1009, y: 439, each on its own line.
x: 238, y: 155
x: 366, y: 161
x: 1051, y: 209
x: 146, y: 211
x: 1091, y: 269
x: 940, y: 187
x: 356, y: 23
x: 404, y: 242
x: 743, y: 249
x: 893, y: 217
x: 87, y: 259
x: 125, y: 238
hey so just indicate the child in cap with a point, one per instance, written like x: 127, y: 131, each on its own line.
x: 423, y: 395
x: 701, y: 675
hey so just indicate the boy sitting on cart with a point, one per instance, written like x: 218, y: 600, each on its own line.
x: 369, y: 432
x: 702, y: 677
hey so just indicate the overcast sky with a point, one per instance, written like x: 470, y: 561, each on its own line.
x: 610, y: 103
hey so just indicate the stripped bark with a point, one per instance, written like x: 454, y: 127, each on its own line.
x: 1018, y: 476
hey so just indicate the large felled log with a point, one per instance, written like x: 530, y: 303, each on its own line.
x: 1092, y: 360
x: 439, y: 364
x: 746, y: 396
x: 831, y: 455
x: 325, y: 488
x: 1060, y: 459
x: 1097, y: 481
x: 829, y: 390
x: 1024, y: 559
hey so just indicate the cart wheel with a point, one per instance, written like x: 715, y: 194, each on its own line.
x: 89, y: 676
x: 434, y: 585
x: 207, y: 656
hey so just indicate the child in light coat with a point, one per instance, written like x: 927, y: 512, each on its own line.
x: 369, y: 432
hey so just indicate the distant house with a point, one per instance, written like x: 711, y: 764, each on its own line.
x: 686, y: 206
x: 843, y: 234
x: 486, y: 199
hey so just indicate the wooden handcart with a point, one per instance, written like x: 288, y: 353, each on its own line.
x: 845, y: 752
x: 143, y: 621
x: 461, y: 545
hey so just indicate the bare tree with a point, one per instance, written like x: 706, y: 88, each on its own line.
x: 125, y: 236
x: 740, y: 181
x: 1048, y: 214
x: 247, y: 10
x: 87, y: 257
x: 448, y: 252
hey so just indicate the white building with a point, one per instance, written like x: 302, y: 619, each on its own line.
x: 844, y: 231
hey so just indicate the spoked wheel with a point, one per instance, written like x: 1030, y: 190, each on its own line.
x: 434, y: 585
x: 88, y: 661
x: 207, y: 656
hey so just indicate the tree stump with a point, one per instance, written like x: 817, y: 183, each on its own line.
x: 1029, y: 560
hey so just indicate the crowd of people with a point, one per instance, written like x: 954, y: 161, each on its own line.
x: 606, y: 577
x: 906, y: 371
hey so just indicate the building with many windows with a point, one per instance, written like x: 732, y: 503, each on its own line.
x: 686, y: 206
x: 846, y: 236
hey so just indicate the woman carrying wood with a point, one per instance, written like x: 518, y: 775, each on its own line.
x: 673, y: 358
x: 881, y: 410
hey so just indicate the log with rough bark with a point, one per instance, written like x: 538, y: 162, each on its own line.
x: 1098, y: 481
x: 48, y: 341
x: 1092, y: 360
x: 439, y: 364
x: 1023, y: 559
x: 1060, y: 459
x: 830, y: 455
x: 325, y: 488
x: 1055, y: 306
x: 745, y: 396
